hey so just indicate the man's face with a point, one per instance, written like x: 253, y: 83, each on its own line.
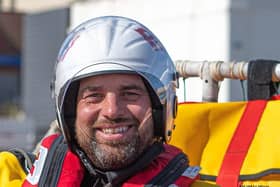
x: 114, y: 120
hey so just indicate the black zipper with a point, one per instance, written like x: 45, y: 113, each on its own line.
x: 171, y: 172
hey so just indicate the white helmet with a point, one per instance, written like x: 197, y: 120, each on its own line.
x: 115, y: 45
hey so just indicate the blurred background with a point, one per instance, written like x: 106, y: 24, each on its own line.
x: 31, y: 32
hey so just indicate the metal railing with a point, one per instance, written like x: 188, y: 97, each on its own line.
x: 211, y: 72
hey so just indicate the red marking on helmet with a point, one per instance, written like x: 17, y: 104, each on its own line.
x: 67, y: 48
x: 149, y: 38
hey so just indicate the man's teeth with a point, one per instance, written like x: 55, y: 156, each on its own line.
x: 115, y: 130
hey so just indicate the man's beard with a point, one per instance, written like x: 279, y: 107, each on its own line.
x: 110, y: 155
x: 114, y: 155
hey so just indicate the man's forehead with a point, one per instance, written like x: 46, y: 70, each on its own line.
x: 122, y: 80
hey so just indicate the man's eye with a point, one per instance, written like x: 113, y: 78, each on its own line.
x: 131, y: 96
x: 94, y: 97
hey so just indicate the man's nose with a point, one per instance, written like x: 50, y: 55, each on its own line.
x: 112, y: 107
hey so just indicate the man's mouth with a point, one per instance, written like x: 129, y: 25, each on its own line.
x: 115, y: 130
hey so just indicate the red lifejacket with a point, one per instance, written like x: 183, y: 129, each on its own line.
x: 56, y: 165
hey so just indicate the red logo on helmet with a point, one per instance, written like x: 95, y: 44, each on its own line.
x: 66, y: 47
x: 150, y: 39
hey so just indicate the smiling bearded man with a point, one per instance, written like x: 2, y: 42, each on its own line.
x: 114, y: 122
x: 115, y: 99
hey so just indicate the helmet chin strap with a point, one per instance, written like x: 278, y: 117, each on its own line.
x: 101, y: 177
x: 158, y: 124
x: 86, y: 161
x: 157, y: 112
